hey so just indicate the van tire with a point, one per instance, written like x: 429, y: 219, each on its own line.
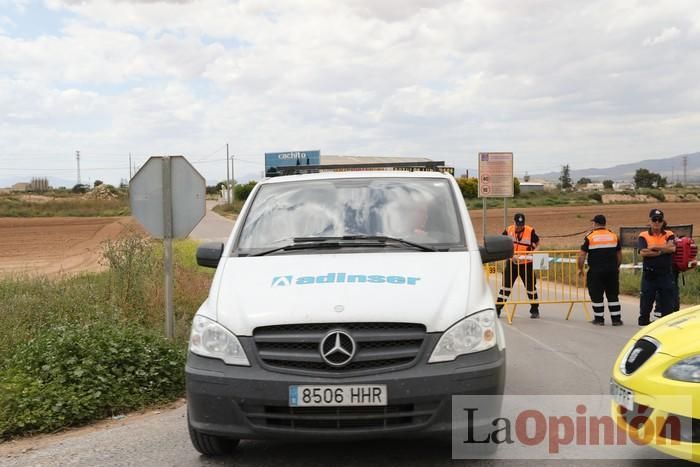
x: 211, y: 445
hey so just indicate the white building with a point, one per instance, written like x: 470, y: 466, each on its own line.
x: 531, y: 187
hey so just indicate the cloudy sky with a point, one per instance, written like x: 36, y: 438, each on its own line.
x: 589, y: 84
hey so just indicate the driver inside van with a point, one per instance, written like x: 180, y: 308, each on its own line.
x: 415, y: 223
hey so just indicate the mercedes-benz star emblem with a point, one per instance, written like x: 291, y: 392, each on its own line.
x: 337, y: 348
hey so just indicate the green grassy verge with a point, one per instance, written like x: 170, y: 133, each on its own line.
x: 63, y: 206
x: 579, y: 198
x: 76, y: 349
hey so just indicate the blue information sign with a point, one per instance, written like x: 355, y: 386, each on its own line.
x: 291, y: 158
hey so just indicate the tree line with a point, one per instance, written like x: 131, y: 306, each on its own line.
x: 643, y: 178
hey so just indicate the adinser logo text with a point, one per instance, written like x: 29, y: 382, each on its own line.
x: 343, y: 278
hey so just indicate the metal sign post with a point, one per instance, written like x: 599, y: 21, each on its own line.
x: 168, y: 198
x: 495, y: 179
x: 168, y: 246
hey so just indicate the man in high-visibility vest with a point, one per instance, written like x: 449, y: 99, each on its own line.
x: 656, y: 246
x: 602, y: 247
x: 525, y: 241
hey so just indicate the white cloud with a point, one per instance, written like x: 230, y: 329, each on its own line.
x: 666, y: 35
x: 551, y: 81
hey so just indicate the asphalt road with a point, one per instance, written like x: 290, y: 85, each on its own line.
x: 213, y: 227
x: 545, y: 356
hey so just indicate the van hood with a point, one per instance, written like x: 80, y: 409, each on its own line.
x: 434, y: 289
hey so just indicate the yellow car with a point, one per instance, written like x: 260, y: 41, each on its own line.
x: 656, y: 385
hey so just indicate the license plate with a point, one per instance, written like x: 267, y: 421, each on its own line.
x: 622, y: 395
x: 337, y: 395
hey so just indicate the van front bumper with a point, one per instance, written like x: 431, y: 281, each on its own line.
x: 253, y: 403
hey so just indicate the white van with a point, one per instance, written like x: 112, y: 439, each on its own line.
x: 344, y: 305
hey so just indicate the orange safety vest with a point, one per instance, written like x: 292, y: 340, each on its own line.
x: 601, y: 238
x: 522, y: 242
x: 656, y: 240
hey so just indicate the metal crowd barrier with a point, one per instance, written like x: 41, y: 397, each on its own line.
x: 556, y: 281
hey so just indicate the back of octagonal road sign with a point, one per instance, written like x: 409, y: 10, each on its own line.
x: 148, y: 193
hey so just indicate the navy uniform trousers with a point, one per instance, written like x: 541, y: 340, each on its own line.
x: 511, y: 272
x: 606, y: 283
x: 657, y: 285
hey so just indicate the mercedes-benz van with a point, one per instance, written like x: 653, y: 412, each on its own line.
x: 344, y: 305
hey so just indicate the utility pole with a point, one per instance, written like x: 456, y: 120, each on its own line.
x: 685, y: 170
x: 233, y: 181
x: 77, y: 157
x: 228, y: 179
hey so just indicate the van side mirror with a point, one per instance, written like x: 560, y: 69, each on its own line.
x: 209, y: 254
x: 496, y: 248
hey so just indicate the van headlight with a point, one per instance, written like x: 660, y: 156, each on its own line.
x: 686, y: 370
x: 210, y: 339
x: 472, y: 334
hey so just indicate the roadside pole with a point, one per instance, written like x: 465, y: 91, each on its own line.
x: 168, y: 247
x: 483, y: 218
x: 228, y: 179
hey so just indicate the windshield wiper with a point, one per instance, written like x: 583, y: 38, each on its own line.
x: 308, y: 243
x: 380, y: 239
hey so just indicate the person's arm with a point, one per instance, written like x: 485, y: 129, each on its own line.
x: 535, y: 240
x: 644, y: 249
x: 580, y: 261
x: 649, y: 253
x: 582, y: 254
x: 619, y: 258
x: 667, y: 249
x: 670, y: 246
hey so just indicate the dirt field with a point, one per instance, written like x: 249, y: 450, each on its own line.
x: 54, y: 245
x: 552, y: 223
x: 68, y: 245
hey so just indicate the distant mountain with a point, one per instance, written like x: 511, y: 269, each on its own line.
x: 671, y: 168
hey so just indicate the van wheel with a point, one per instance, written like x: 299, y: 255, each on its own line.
x: 211, y: 445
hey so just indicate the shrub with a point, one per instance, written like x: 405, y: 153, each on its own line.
x: 469, y: 187
x: 243, y: 191
x: 131, y: 261
x: 596, y: 196
x: 654, y: 193
x: 30, y: 306
x: 72, y: 375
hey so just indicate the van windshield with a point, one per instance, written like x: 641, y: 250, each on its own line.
x: 420, y: 210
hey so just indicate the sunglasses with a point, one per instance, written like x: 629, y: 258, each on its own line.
x: 657, y: 219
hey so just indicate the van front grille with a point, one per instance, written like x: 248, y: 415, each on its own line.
x: 379, y: 347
